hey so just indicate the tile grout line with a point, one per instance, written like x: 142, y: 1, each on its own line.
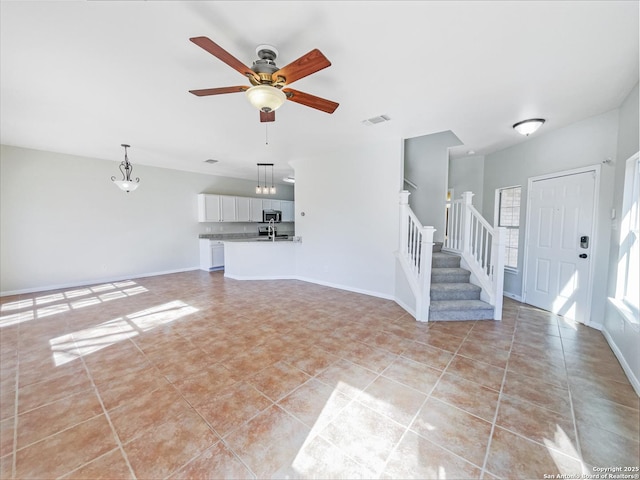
x: 495, y: 415
x: 573, y: 413
x: 220, y: 437
x: 408, y: 428
x: 107, y: 416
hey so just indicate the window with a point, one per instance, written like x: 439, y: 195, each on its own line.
x: 628, y: 281
x: 508, y: 213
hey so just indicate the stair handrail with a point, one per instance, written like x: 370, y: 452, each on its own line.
x: 481, y: 246
x: 416, y: 252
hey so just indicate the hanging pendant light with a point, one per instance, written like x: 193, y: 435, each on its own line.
x: 126, y: 184
x: 272, y: 190
x: 266, y: 189
x: 258, y: 188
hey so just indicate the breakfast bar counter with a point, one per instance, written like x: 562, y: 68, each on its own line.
x: 260, y: 259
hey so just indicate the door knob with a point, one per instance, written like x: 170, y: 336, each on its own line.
x: 583, y: 255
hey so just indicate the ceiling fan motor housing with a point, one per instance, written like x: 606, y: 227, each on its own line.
x: 265, y: 66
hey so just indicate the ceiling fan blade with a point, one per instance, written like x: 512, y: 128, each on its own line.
x: 218, y: 91
x: 267, y: 117
x: 300, y: 68
x: 310, y: 100
x: 220, y: 53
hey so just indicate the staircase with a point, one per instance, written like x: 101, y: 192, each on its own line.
x: 430, y: 283
x: 453, y: 297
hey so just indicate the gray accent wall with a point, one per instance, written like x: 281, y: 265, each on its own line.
x: 580, y: 144
x: 426, y: 164
x: 466, y: 174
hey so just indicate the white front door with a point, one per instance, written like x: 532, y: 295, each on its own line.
x: 559, y: 244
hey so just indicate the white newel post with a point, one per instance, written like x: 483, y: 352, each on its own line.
x: 404, y: 221
x: 498, y: 253
x: 426, y: 255
x: 466, y: 222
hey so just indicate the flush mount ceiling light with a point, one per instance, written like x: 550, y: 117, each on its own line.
x: 265, y: 190
x: 289, y: 179
x: 126, y: 184
x: 266, y: 98
x: 527, y: 127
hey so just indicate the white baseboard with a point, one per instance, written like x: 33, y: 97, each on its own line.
x: 346, y: 287
x: 512, y: 296
x: 407, y: 308
x: 85, y: 283
x: 635, y: 382
x: 314, y: 281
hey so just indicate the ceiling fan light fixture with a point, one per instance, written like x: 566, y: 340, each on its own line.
x: 266, y: 98
x: 527, y: 127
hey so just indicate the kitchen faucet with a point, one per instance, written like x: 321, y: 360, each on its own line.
x: 272, y: 230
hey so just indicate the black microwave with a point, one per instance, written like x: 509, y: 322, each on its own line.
x: 268, y: 215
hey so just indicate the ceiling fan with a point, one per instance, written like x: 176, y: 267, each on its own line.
x: 268, y: 81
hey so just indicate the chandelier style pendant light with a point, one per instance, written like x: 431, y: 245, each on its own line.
x: 126, y: 184
x: 266, y: 189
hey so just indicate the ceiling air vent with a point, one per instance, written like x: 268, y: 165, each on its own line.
x: 375, y: 120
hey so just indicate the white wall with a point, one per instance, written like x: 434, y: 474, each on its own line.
x: 64, y: 223
x: 426, y: 164
x: 623, y: 337
x: 466, y: 174
x: 584, y: 143
x: 350, y: 225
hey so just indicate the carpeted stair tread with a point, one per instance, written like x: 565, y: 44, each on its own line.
x: 449, y: 275
x: 459, y: 305
x: 445, y: 260
x: 460, y: 310
x: 455, y: 291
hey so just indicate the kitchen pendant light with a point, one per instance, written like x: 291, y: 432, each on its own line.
x: 266, y: 189
x: 527, y: 127
x: 126, y: 184
x: 258, y: 188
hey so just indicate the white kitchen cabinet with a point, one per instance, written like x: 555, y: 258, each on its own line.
x: 208, y: 208
x: 256, y: 209
x: 271, y: 204
x: 288, y: 213
x: 243, y: 209
x: 211, y: 254
x: 227, y: 208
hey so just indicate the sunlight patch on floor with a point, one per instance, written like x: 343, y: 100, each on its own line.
x: 71, y: 346
x: 41, y: 307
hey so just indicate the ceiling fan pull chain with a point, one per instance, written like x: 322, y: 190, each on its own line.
x: 266, y: 134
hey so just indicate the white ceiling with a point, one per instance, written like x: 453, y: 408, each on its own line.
x: 83, y: 77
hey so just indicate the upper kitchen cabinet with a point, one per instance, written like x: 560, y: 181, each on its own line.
x: 208, y: 208
x: 228, y: 211
x: 226, y: 208
x: 216, y: 208
x: 287, y: 207
x: 271, y: 204
x: 256, y: 209
x: 244, y: 212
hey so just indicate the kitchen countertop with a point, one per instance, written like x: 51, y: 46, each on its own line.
x: 242, y: 237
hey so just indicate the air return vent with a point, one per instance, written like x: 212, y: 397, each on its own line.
x: 375, y: 120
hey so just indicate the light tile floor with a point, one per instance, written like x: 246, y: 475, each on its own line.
x: 196, y: 376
